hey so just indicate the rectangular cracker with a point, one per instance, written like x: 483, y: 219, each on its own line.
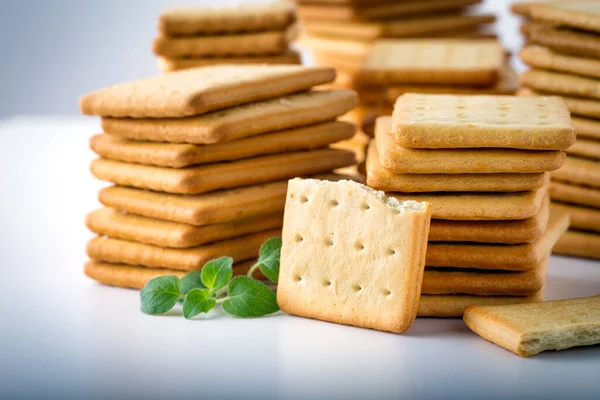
x: 225, y: 175
x: 545, y: 58
x: 166, y: 64
x: 433, y: 61
x: 561, y: 83
x: 125, y: 252
x: 238, y: 44
x: 453, y: 305
x: 582, y: 107
x: 585, y: 127
x: 135, y: 228
x: 579, y: 244
x: 582, y: 218
x: 517, y: 257
x: 380, y: 178
x: 470, y: 121
x: 579, y: 171
x: 238, y: 122
x: 459, y: 161
x: 528, y: 329
x: 574, y: 194
x: 242, y: 17
x: 584, y: 15
x: 178, y: 155
x: 507, y: 232
x: 334, y: 269
x: 354, y: 51
x: 566, y: 41
x: 199, y: 90
x: 486, y: 283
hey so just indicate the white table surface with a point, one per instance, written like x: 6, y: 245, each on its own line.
x: 65, y: 336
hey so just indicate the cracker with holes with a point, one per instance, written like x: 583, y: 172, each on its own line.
x: 351, y: 255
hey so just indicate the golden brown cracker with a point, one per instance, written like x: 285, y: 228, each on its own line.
x: 561, y: 83
x: 545, y: 58
x: 579, y: 171
x: 579, y: 244
x: 575, y: 194
x: 174, y: 64
x: 582, y: 218
x: 453, y: 305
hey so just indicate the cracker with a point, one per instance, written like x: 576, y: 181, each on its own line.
x: 237, y: 122
x: 486, y: 283
x: 545, y: 58
x: 182, y: 155
x: 577, y: 106
x: 575, y: 194
x: 135, y: 228
x: 583, y: 15
x: 125, y: 252
x: 380, y: 178
x: 582, y: 218
x: 459, y: 161
x: 453, y: 305
x: 517, y: 257
x: 439, y: 61
x: 175, y: 64
x: 566, y: 41
x: 507, y: 232
x: 579, y: 244
x: 528, y: 329
x: 579, y: 171
x: 199, y: 90
x: 456, y: 121
x: 333, y: 269
x: 585, y: 148
x: 239, y: 44
x: 225, y: 175
x: 560, y: 83
x: 588, y: 128
x: 241, y: 17
x: 354, y: 51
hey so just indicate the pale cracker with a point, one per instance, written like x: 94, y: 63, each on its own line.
x: 174, y: 64
x: 585, y: 148
x: 225, y: 175
x: 584, y: 15
x: 560, y: 83
x: 517, y: 257
x: 380, y: 178
x: 579, y: 244
x: 135, y: 228
x: 583, y: 107
x: 243, y: 17
x: 545, y: 58
x: 574, y: 194
x: 566, y: 41
x: 528, y: 329
x: 433, y: 61
x: 199, y: 90
x: 459, y: 161
x: 583, y: 218
x: 334, y: 269
x: 237, y: 122
x: 456, y: 121
x: 356, y: 51
x: 579, y: 171
x: 182, y: 155
x: 125, y: 252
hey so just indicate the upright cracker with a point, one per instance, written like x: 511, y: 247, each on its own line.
x: 579, y: 244
x: 174, y: 64
x: 579, y: 171
x: 182, y: 155
x: 453, y: 305
x: 566, y: 41
x: 332, y: 266
x: 583, y: 15
x: 559, y: 83
x: 199, y: 90
x: 439, y: 61
x: 238, y: 122
x: 454, y: 121
x: 575, y: 194
x: 583, y: 107
x: 246, y: 17
x: 545, y: 58
x: 528, y: 329
x: 584, y: 218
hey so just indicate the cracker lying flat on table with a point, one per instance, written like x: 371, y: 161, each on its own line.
x: 579, y: 244
x: 560, y: 83
x: 566, y: 41
x: 334, y: 269
x: 135, y: 228
x: 545, y: 58
x: 584, y: 218
x: 175, y: 64
x: 242, y: 17
x: 459, y: 161
x: 575, y: 194
x: 238, y: 122
x: 199, y: 90
x: 583, y: 15
x: 528, y: 329
x: 579, y: 171
x: 456, y: 121
x: 516, y: 257
x: 182, y: 155
x: 125, y: 252
x: 380, y: 178
x: 429, y: 61
x: 577, y: 106
x: 225, y: 175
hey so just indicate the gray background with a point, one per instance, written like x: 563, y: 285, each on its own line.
x: 55, y: 51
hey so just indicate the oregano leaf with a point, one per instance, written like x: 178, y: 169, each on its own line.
x: 198, y: 301
x: 191, y: 281
x: 160, y: 294
x: 217, y: 273
x: 249, y: 298
x: 268, y: 260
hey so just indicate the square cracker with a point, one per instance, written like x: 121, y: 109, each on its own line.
x: 579, y: 244
x: 561, y: 83
x: 584, y: 218
x: 528, y: 329
x: 177, y: 155
x: 584, y: 15
x: 575, y: 194
x: 174, y: 64
x: 579, y: 171
x: 566, y: 40
x: 545, y: 58
x: 334, y: 269
x: 582, y: 107
x: 453, y: 305
x: 199, y: 90
x: 248, y: 17
x: 403, y: 160
x: 238, y: 122
x: 455, y: 121
x: 434, y: 61
x: 380, y: 178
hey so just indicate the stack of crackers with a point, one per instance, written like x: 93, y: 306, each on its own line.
x: 482, y: 161
x: 200, y: 160
x: 564, y: 54
x: 250, y: 33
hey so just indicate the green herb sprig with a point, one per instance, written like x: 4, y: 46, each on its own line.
x: 200, y: 291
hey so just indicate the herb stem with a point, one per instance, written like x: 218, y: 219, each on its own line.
x: 251, y: 270
x: 222, y: 300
